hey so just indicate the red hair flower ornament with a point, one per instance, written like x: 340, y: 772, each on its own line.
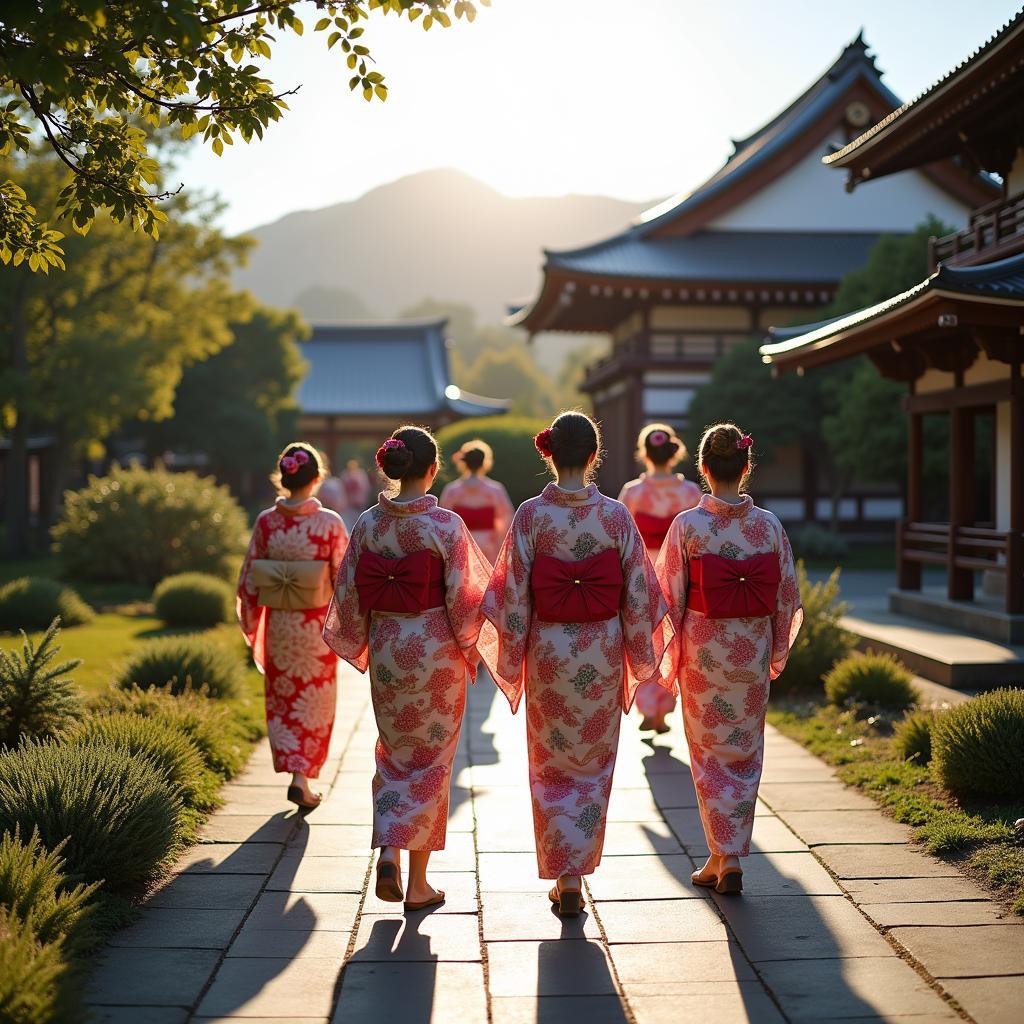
x: 658, y: 438
x: 543, y: 442
x: 301, y: 457
x: 389, y: 445
x: 744, y: 442
x: 289, y: 465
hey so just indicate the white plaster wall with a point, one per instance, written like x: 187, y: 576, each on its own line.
x: 1003, y: 466
x: 736, y: 318
x: 983, y: 370
x: 934, y: 380
x: 812, y: 197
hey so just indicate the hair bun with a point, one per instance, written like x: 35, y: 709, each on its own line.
x: 723, y: 441
x: 395, y: 462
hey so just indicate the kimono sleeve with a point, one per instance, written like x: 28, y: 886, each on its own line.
x: 503, y: 509
x: 347, y: 629
x: 643, y: 613
x: 674, y: 575
x: 252, y: 616
x: 508, y: 607
x: 789, y: 614
x: 466, y: 574
x: 339, y: 545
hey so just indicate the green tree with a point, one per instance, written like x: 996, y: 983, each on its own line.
x: 510, y: 373
x: 238, y: 407
x: 88, y: 77
x: 323, y: 304
x: 469, y: 337
x: 105, y: 343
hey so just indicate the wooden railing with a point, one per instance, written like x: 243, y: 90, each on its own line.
x: 995, y: 230
x: 964, y: 550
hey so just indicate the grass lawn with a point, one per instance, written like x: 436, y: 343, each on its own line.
x: 980, y: 839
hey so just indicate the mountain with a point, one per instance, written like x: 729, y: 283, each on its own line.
x: 436, y: 234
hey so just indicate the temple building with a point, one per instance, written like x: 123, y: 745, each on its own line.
x: 956, y: 340
x: 764, y: 241
x: 366, y: 378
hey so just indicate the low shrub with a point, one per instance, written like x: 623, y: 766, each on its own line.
x: 516, y: 462
x: 37, y: 984
x: 34, y: 889
x: 141, y: 525
x: 912, y: 737
x: 168, y: 748
x: 816, y: 544
x: 821, y: 642
x: 194, y: 599
x: 37, y: 700
x: 118, y: 815
x: 211, y: 726
x: 184, y: 662
x: 877, y: 680
x: 33, y: 602
x: 978, y: 746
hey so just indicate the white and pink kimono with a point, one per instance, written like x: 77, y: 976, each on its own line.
x: 579, y: 677
x: 724, y: 664
x: 654, y: 501
x: 484, y: 506
x: 287, y: 646
x: 407, y: 606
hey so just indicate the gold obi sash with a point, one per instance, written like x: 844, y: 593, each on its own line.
x: 292, y: 585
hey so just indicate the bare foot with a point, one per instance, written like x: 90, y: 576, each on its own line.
x: 420, y: 892
x: 569, y: 882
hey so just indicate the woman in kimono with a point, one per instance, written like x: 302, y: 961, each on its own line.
x: 727, y: 569
x: 578, y: 612
x: 284, y: 589
x: 483, y: 504
x: 407, y: 607
x: 655, y: 498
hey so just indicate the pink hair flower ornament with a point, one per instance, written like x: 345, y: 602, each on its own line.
x: 389, y: 445
x: 301, y: 457
x: 542, y: 441
x: 744, y: 442
x: 658, y: 438
x: 289, y: 465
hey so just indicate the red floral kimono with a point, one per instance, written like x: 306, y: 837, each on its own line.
x: 474, y: 497
x: 659, y: 497
x: 287, y: 645
x: 579, y: 678
x: 724, y: 665
x: 418, y: 663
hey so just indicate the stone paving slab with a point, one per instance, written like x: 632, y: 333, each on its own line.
x: 208, y: 892
x: 296, y: 873
x: 949, y: 914
x: 950, y: 888
x: 138, y: 1014
x: 730, y: 1003
x: 422, y: 938
x: 256, y: 942
x: 834, y: 828
x: 665, y: 967
x: 989, y: 1000
x: 814, y: 796
x: 552, y: 968
x: 166, y: 928
x: 440, y: 993
x: 459, y: 889
x: 272, y: 986
x: 998, y: 949
x: 558, y: 1010
x: 150, y: 977
x: 640, y: 921
x: 850, y: 862
x: 230, y: 858
x: 304, y: 911
x: 530, y: 916
x: 250, y: 828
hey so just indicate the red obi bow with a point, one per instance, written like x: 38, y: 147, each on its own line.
x: 410, y: 584
x: 728, y: 588
x: 585, y: 591
x: 653, y: 529
x: 480, y: 517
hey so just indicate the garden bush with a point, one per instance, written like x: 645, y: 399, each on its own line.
x: 213, y: 728
x: 37, y: 984
x: 816, y: 544
x: 33, y: 602
x: 37, y: 699
x: 516, y: 462
x: 978, y: 746
x: 876, y: 680
x: 168, y: 748
x: 821, y: 642
x: 119, y: 816
x: 194, y: 599
x: 141, y: 525
x: 913, y: 737
x: 186, y: 662
x: 34, y: 889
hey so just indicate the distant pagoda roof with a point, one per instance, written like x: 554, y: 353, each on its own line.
x: 974, y: 107
x: 1000, y: 283
x: 393, y: 368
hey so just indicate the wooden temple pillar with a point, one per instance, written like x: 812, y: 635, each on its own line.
x: 960, y: 586
x: 1015, y: 542
x: 909, y: 573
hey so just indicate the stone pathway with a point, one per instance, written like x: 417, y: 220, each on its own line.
x: 842, y: 920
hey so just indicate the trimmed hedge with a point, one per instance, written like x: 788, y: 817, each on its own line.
x: 978, y: 746
x: 164, y: 745
x: 186, y: 663
x: 37, y: 984
x: 516, y: 462
x: 211, y: 726
x: 821, y: 642
x: 33, y: 602
x: 877, y: 680
x: 913, y: 737
x: 37, y: 700
x: 141, y: 525
x: 817, y: 544
x: 194, y: 599
x: 117, y: 813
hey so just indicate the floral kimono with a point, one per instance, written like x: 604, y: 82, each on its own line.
x: 654, y: 502
x: 579, y: 678
x: 485, y: 507
x: 418, y: 662
x: 287, y: 647
x: 724, y: 665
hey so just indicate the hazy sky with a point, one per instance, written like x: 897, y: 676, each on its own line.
x: 630, y: 98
